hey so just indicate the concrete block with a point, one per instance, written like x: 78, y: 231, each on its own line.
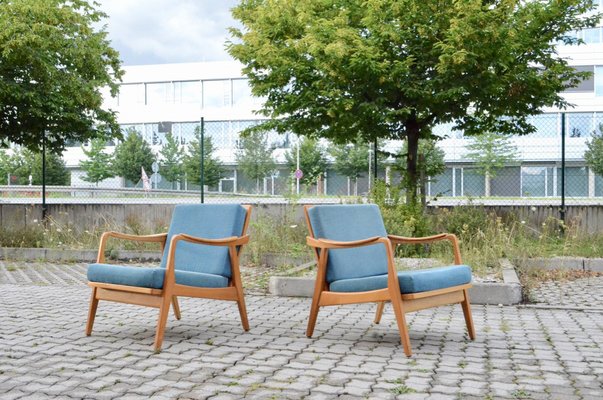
x: 495, y: 293
x: 593, y: 264
x: 576, y: 263
x: 291, y: 286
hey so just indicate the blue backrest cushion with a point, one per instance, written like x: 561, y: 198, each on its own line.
x: 347, y: 223
x: 208, y: 221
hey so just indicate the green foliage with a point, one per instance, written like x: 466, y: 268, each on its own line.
x: 399, y: 218
x: 430, y: 163
x: 394, y: 69
x: 55, y: 58
x: 312, y: 160
x: 594, y: 152
x: 98, y: 165
x: 351, y: 160
x: 490, y: 152
x: 212, y: 168
x: 171, y: 164
x: 254, y: 157
x: 132, y: 154
x: 24, y: 163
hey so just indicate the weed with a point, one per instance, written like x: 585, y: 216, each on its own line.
x: 402, y: 389
x: 521, y: 394
x: 209, y: 342
x: 462, y: 364
x: 504, y: 326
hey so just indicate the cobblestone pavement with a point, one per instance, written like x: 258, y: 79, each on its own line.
x: 45, y: 273
x: 537, y: 353
x: 579, y: 293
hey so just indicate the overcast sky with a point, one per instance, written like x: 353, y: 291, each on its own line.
x: 169, y: 31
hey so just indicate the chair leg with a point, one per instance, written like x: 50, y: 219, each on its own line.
x: 176, y: 307
x: 314, y: 309
x: 242, y: 308
x: 164, y: 310
x: 379, y: 313
x: 468, y: 317
x: 91, y: 312
x: 401, y: 320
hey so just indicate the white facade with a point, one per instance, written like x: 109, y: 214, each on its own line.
x: 173, y: 97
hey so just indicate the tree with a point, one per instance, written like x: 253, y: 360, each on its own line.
x: 55, y: 58
x: 594, y: 152
x: 5, y: 167
x: 351, y: 160
x: 212, y: 168
x: 430, y: 163
x: 171, y: 163
x: 26, y: 163
x: 312, y: 160
x: 254, y: 157
x: 491, y: 152
x: 99, y: 165
x: 394, y: 69
x: 132, y: 154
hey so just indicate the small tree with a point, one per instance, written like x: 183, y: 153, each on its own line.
x: 594, y: 152
x: 56, y: 171
x: 212, y: 168
x: 312, y: 160
x: 351, y: 161
x: 430, y: 163
x: 254, y: 157
x: 171, y: 163
x: 131, y: 154
x: 99, y: 165
x: 491, y: 152
x: 5, y: 167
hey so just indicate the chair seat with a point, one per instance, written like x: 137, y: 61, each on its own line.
x: 150, y: 277
x: 415, y: 281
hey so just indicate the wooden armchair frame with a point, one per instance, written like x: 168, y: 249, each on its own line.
x: 402, y: 303
x: 161, y: 298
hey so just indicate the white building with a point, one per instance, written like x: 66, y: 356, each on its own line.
x: 155, y: 99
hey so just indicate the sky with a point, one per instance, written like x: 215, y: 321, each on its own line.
x: 169, y: 31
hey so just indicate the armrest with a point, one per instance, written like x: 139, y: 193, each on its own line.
x: 417, y: 240
x: 430, y: 239
x: 158, y: 238
x: 228, y: 241
x: 333, y: 244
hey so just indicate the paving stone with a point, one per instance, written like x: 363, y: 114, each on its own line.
x: 542, y: 352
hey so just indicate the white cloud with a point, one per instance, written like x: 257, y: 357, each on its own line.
x: 164, y: 31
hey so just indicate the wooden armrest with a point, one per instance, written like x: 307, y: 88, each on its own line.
x: 333, y: 244
x: 160, y: 237
x: 228, y: 241
x: 414, y: 240
x: 429, y: 239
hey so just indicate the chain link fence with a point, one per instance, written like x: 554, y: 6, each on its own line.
x: 546, y: 167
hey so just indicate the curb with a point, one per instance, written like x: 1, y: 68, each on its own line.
x: 66, y: 255
x: 556, y: 263
x: 506, y: 293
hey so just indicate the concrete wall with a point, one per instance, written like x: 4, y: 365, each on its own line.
x: 156, y: 217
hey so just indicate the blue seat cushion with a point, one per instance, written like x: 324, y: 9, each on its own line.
x: 150, y: 277
x: 415, y: 281
x: 348, y: 223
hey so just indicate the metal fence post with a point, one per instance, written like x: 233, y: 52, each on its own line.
x: 202, y: 178
x: 562, y: 208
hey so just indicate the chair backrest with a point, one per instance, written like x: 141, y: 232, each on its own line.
x: 347, y: 223
x: 209, y: 221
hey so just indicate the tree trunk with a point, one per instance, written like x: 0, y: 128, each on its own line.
x: 257, y: 185
x: 487, y: 188
x: 412, y: 137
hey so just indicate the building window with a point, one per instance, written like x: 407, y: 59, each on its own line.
x: 160, y: 93
x: 579, y: 125
x: 546, y: 125
x: 537, y: 181
x: 587, y: 85
x: 216, y: 94
x: 187, y: 92
x: 576, y: 181
x: 598, y: 80
x: 241, y: 93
